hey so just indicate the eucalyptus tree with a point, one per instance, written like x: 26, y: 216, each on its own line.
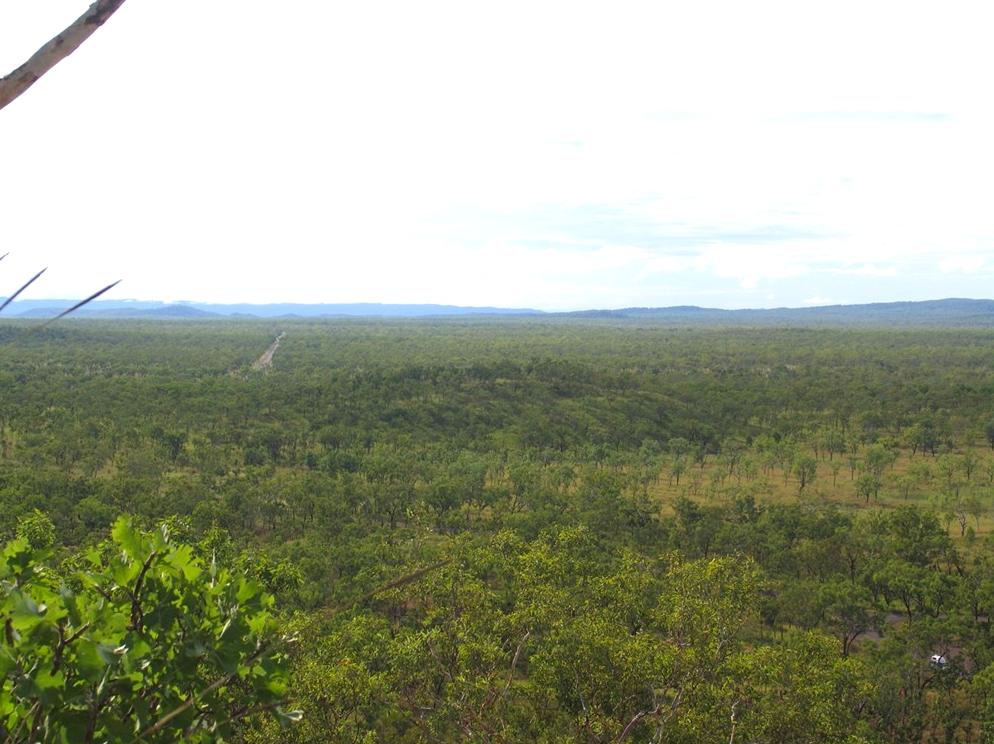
x: 56, y: 49
x: 138, y: 640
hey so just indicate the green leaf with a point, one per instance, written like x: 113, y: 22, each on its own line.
x: 71, y: 728
x: 49, y: 685
x: 247, y: 589
x: 71, y: 604
x: 88, y: 659
x: 124, y: 535
x: 183, y: 560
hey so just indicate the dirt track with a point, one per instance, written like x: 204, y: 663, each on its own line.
x: 266, y: 360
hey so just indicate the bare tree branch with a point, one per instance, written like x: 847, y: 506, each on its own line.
x: 56, y: 50
x: 514, y: 662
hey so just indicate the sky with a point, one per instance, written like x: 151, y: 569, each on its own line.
x: 540, y: 154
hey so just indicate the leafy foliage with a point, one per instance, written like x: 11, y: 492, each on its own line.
x: 137, y: 641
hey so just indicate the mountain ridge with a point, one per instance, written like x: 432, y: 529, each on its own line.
x: 948, y: 311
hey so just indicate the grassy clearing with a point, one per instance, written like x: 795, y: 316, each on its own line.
x: 836, y: 483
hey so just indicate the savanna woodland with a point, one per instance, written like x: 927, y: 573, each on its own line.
x: 495, y: 530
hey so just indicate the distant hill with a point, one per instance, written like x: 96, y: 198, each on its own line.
x: 948, y: 312
x: 172, y: 312
x: 195, y: 310
x: 364, y: 309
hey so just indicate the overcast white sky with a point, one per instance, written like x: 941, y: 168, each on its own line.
x: 534, y: 154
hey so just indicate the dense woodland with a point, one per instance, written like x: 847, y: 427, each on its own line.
x: 496, y: 530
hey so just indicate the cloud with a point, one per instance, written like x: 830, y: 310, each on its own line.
x: 666, y: 265
x: 962, y: 264
x: 434, y: 166
x: 751, y: 265
x: 867, y: 269
x: 879, y: 117
x: 747, y: 264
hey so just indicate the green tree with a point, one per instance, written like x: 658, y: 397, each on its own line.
x: 36, y: 529
x: 799, y: 691
x: 989, y: 432
x: 142, y: 641
x: 678, y: 447
x: 849, y: 610
x: 805, y: 470
x: 868, y: 485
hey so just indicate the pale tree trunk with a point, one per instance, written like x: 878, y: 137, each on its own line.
x: 56, y: 50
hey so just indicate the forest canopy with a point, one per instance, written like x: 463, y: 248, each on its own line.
x: 511, y: 529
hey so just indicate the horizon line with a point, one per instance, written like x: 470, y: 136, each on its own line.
x: 499, y: 308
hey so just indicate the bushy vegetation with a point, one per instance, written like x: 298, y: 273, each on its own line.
x: 514, y: 530
x: 134, y: 639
